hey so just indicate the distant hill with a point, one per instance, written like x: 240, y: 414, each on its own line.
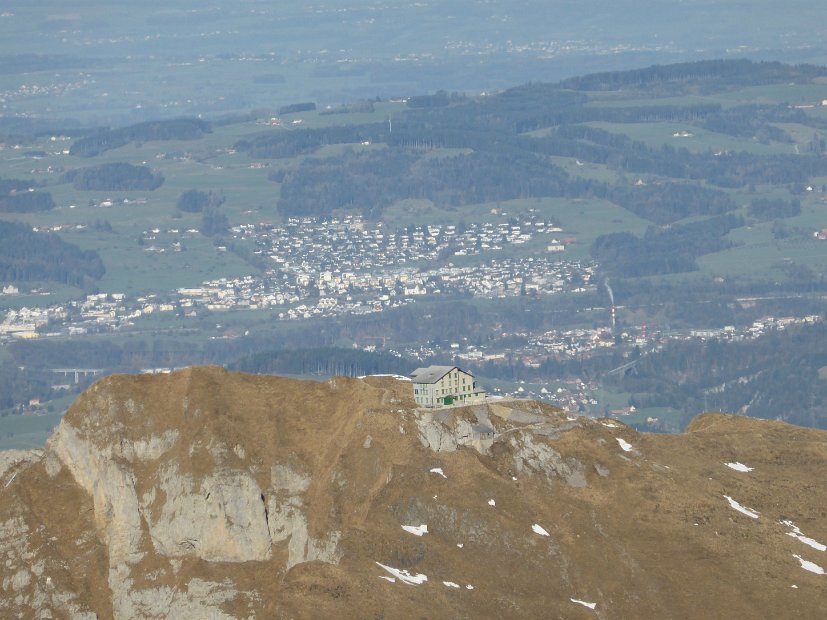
x: 205, y: 493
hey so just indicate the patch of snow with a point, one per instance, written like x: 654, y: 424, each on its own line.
x: 438, y: 470
x: 469, y: 587
x: 610, y: 424
x: 627, y: 447
x: 450, y: 584
x: 794, y: 586
x: 796, y: 533
x: 491, y: 502
x: 420, y: 530
x: 583, y: 603
x: 460, y: 545
x: 514, y: 478
x: 539, y: 530
x: 739, y: 467
x: 386, y: 578
x: 743, y: 510
x: 809, y: 566
x: 404, y: 576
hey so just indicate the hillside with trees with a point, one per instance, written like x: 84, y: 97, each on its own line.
x: 102, y: 140
x: 26, y: 255
x: 502, y: 147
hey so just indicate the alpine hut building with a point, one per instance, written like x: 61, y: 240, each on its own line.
x: 443, y: 386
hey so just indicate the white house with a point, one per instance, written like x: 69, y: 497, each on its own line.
x: 440, y: 386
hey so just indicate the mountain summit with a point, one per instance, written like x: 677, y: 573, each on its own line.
x: 210, y: 494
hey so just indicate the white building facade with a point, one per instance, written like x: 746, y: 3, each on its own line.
x: 443, y: 386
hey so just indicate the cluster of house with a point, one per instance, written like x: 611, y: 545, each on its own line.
x: 583, y: 342
x: 758, y: 328
x: 344, y: 267
x: 25, y: 322
x: 55, y: 89
x: 327, y: 293
x: 93, y: 314
x: 351, y: 244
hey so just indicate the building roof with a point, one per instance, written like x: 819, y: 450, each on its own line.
x: 432, y: 374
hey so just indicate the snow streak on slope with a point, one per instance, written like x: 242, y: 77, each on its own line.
x: 416, y: 530
x: 739, y: 467
x: 809, y: 566
x: 404, y: 576
x: 743, y: 510
x: 796, y: 533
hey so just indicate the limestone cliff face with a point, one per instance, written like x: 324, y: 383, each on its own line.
x: 169, y: 483
x: 208, y: 494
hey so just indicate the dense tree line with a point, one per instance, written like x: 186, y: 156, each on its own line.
x: 325, y: 361
x: 363, y: 106
x: 439, y: 99
x: 724, y: 169
x: 196, y: 201
x: 16, y: 196
x: 213, y: 221
x: 701, y: 301
x: 8, y: 186
x: 114, y: 177
x: 27, y: 255
x: 293, y: 108
x: 290, y: 143
x: 133, y: 353
x: 20, y: 130
x: 26, y: 202
x: 102, y: 140
x: 664, y: 203
x: 766, y: 209
x: 419, y: 322
x: 368, y: 181
x: 662, y: 250
x: 752, y: 121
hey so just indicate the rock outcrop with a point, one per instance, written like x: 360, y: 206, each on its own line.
x: 209, y: 494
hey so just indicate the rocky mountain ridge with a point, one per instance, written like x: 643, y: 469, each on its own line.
x: 210, y: 494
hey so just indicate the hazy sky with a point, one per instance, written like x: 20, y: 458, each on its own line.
x: 114, y: 61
